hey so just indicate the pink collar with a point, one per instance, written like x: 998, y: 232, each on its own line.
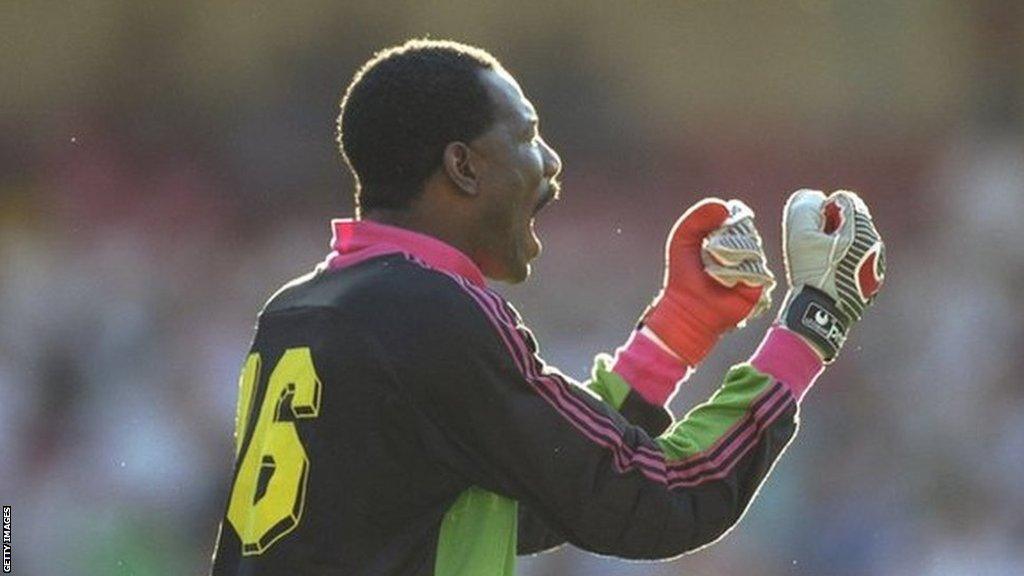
x: 354, y: 241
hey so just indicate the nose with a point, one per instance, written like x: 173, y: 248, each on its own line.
x: 552, y: 161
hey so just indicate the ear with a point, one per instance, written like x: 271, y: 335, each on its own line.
x: 458, y: 165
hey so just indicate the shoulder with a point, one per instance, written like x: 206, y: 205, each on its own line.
x: 396, y: 286
x: 445, y: 301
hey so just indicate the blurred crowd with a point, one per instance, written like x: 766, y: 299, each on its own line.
x: 154, y: 192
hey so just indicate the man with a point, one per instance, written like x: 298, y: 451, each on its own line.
x: 394, y: 417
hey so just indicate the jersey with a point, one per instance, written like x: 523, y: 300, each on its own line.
x: 395, y: 419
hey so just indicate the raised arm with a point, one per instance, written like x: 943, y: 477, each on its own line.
x: 713, y: 245
x: 519, y: 428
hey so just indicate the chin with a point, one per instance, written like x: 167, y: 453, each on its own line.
x: 520, y: 275
x: 514, y: 268
x: 509, y: 272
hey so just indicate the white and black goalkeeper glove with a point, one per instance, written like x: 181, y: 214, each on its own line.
x: 835, y: 265
x: 734, y: 253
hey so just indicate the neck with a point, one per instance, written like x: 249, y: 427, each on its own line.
x: 437, y: 226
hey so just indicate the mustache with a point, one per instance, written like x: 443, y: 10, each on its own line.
x: 553, y: 192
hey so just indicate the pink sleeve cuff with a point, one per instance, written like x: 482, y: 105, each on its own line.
x: 650, y: 370
x: 789, y: 359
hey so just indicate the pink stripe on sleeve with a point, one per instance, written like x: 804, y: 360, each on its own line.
x: 787, y: 358
x: 653, y: 372
x: 599, y: 428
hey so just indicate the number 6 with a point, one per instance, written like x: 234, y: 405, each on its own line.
x: 260, y: 515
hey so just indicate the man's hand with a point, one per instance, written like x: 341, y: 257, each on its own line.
x: 835, y: 265
x: 716, y: 277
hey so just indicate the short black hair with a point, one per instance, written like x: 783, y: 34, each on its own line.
x: 403, y: 107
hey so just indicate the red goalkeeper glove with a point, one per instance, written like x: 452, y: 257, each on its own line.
x: 716, y: 277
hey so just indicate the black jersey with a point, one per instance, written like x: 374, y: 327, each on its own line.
x: 395, y: 419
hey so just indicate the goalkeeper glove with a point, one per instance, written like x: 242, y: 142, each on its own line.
x: 835, y: 266
x: 716, y: 277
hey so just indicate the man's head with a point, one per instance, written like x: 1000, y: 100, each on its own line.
x: 440, y: 136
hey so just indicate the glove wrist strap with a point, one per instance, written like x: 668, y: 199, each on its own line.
x: 679, y: 330
x: 814, y: 315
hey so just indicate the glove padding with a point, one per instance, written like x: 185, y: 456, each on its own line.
x: 716, y: 277
x: 835, y: 266
x: 734, y: 254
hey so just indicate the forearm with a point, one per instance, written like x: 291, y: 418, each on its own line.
x: 714, y: 460
x: 519, y: 428
x: 648, y: 369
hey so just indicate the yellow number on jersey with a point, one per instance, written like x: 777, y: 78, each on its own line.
x: 262, y: 517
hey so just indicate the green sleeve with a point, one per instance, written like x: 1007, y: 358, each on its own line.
x: 526, y: 434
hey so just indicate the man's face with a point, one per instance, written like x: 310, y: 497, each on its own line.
x: 516, y: 173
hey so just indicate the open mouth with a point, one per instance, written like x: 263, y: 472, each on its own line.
x: 552, y: 193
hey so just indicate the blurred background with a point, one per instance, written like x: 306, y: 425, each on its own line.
x: 165, y: 166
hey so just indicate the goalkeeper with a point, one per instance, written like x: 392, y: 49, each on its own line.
x: 394, y: 416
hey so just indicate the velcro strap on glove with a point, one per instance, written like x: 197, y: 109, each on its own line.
x: 815, y: 316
